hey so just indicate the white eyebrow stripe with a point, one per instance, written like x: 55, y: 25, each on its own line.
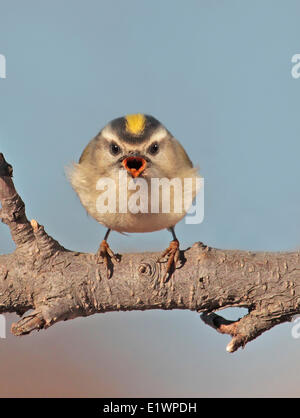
x: 109, y: 134
x: 158, y: 135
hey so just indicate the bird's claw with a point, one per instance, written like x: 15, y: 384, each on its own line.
x: 172, y: 256
x: 105, y: 255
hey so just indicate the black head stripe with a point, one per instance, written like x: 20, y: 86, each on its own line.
x: 119, y: 126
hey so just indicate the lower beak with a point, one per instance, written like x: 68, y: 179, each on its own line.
x: 134, y: 165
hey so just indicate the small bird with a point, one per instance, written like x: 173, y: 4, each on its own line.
x: 139, y: 148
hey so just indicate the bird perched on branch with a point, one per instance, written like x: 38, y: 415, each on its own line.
x: 118, y: 172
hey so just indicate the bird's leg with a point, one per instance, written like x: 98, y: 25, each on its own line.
x: 172, y: 255
x: 105, y: 255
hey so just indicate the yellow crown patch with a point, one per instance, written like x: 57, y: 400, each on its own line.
x: 135, y: 124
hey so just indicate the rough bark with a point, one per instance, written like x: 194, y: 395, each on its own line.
x: 56, y: 284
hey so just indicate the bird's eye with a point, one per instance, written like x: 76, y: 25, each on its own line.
x: 114, y: 148
x: 154, y: 148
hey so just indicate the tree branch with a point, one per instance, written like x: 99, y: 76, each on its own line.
x: 58, y: 284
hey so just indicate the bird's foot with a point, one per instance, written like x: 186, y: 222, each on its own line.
x: 105, y: 255
x: 171, y: 255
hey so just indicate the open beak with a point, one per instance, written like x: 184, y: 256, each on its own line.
x: 134, y: 165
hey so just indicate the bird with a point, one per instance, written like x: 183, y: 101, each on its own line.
x: 137, y: 148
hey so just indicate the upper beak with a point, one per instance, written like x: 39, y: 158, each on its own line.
x: 134, y: 165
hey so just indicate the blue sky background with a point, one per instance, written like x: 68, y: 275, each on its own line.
x: 218, y: 74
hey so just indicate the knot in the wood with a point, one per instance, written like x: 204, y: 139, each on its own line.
x: 148, y: 269
x: 201, y: 245
x: 14, y: 210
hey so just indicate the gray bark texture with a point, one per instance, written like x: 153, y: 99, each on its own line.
x: 56, y: 284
